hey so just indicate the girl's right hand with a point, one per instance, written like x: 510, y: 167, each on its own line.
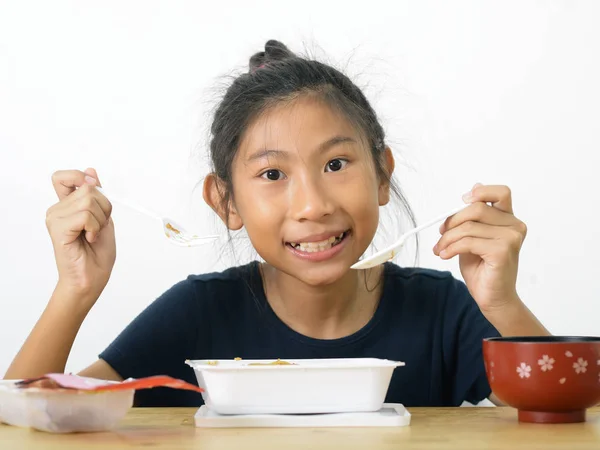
x: 82, y: 233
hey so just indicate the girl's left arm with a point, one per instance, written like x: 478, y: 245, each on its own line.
x: 488, y: 237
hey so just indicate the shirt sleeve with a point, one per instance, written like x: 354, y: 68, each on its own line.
x: 464, y: 330
x: 158, y: 341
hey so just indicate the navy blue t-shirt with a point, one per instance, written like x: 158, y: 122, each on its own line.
x: 425, y: 318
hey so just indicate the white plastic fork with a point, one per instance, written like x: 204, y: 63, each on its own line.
x: 174, y: 232
x: 390, y: 252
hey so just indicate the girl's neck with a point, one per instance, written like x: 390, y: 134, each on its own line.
x: 324, y: 312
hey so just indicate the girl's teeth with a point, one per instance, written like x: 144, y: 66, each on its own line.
x: 313, y: 247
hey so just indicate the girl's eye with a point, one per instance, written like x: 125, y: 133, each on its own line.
x: 273, y: 175
x: 336, y: 165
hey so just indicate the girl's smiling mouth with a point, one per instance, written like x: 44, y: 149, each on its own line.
x: 322, y: 249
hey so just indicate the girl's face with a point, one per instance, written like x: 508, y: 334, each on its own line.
x: 305, y: 188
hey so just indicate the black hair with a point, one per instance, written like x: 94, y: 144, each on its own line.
x: 276, y: 75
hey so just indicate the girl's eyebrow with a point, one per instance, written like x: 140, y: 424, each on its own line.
x: 278, y: 153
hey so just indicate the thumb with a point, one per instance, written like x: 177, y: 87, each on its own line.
x: 92, y: 173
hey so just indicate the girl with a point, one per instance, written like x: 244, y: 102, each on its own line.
x: 300, y: 161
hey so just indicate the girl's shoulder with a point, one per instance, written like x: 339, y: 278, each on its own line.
x: 237, y: 278
x: 234, y: 285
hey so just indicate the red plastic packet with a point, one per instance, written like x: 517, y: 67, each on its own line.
x: 75, y: 382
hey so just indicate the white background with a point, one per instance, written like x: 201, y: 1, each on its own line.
x: 496, y: 92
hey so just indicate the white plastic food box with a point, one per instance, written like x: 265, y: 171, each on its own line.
x: 60, y: 412
x: 307, y: 386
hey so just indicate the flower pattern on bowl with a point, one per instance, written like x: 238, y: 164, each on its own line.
x: 524, y: 370
x: 580, y: 366
x: 546, y: 363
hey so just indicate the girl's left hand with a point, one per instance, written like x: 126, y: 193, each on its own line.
x: 488, y: 240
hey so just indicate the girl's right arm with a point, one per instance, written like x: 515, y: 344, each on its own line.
x: 83, y: 239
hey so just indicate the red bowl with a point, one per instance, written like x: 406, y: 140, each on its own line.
x: 549, y: 379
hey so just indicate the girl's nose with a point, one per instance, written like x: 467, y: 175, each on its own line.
x: 309, y: 200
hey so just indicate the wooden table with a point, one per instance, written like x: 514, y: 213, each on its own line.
x: 431, y: 428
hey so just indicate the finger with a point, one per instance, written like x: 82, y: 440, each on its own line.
x: 493, y: 251
x: 65, y: 182
x: 70, y: 228
x: 467, y: 229
x: 480, y: 212
x: 484, y: 248
x: 498, y: 195
x: 85, y: 197
x: 90, y: 171
x: 103, y: 202
x: 76, y: 204
x: 68, y: 205
x: 510, y: 238
x: 80, y: 200
x: 90, y: 204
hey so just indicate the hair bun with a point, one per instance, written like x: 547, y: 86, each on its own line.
x: 274, y: 51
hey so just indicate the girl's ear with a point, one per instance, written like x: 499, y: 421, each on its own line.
x: 384, y: 185
x: 214, y: 193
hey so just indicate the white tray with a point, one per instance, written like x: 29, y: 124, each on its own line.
x: 390, y: 415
